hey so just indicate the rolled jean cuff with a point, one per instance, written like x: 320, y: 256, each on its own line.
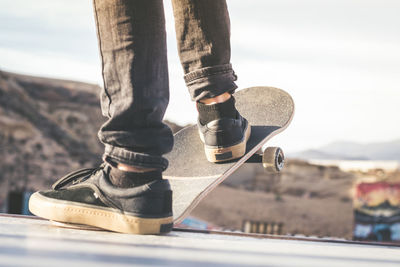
x: 211, y: 81
x: 120, y: 155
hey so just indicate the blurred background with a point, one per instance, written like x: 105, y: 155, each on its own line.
x: 338, y: 59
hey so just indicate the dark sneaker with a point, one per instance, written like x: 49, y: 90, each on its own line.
x: 224, y: 139
x: 87, y: 197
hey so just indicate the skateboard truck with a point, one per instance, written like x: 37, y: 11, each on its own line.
x: 272, y: 159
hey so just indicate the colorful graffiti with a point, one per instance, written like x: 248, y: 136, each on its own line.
x: 377, y: 211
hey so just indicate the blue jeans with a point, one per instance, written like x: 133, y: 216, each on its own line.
x: 132, y: 41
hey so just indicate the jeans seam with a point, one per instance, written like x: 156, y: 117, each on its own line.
x: 102, y: 58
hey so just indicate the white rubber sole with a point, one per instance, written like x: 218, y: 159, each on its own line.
x: 216, y: 154
x: 66, y: 212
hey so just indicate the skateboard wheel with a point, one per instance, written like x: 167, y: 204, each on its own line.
x: 273, y: 159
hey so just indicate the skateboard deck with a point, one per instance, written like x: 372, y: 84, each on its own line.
x: 269, y: 111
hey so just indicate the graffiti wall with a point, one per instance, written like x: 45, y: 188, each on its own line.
x: 377, y: 211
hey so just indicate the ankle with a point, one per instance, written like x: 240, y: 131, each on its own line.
x: 210, y: 112
x: 217, y: 99
x: 128, y: 179
x: 129, y: 168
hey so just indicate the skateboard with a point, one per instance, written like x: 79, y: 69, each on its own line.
x: 269, y: 111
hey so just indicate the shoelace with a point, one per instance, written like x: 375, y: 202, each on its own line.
x: 76, y: 177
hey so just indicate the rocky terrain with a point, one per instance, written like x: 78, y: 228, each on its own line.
x: 307, y: 199
x: 46, y: 128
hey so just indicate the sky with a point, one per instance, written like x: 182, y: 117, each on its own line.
x: 339, y: 59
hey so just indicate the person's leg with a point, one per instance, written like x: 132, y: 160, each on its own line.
x: 127, y: 193
x: 132, y: 41
x: 203, y: 37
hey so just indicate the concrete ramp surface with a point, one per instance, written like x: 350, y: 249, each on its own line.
x: 26, y: 241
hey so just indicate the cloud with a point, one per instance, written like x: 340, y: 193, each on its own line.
x: 49, y: 65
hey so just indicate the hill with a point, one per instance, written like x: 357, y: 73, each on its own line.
x: 354, y: 151
x: 48, y: 127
